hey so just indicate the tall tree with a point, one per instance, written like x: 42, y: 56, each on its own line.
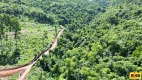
x: 15, y: 27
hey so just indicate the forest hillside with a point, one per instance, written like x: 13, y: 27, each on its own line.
x: 101, y: 41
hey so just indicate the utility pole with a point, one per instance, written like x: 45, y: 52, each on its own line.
x: 55, y: 29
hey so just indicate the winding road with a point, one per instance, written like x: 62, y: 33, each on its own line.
x: 25, y: 69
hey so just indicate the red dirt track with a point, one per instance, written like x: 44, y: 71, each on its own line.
x: 25, y: 69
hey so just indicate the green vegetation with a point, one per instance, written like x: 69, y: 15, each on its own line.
x: 102, y: 38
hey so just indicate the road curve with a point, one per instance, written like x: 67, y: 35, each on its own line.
x: 24, y: 69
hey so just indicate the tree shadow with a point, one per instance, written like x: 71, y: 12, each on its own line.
x: 13, y: 59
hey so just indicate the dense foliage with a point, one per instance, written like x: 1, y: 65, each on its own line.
x: 102, y: 38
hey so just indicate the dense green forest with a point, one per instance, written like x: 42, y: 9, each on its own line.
x: 101, y: 41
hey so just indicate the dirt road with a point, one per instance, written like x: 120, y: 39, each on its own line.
x: 25, y: 69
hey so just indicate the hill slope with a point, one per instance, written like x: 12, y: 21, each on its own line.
x: 102, y: 39
x: 107, y: 48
